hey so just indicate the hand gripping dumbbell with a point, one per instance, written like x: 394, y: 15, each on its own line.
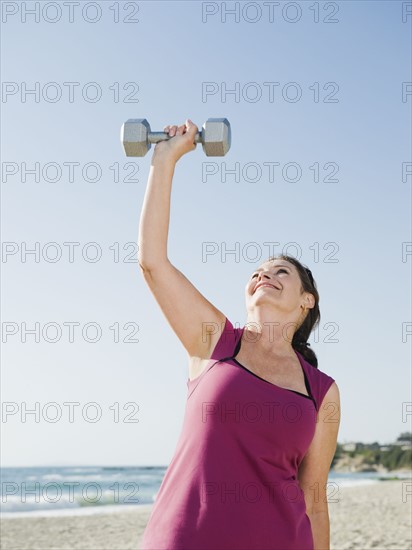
x: 137, y: 137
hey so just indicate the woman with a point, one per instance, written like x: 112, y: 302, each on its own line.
x: 260, y: 429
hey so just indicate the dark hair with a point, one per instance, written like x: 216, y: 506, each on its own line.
x: 301, y: 335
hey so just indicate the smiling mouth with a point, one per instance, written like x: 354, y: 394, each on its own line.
x: 268, y: 285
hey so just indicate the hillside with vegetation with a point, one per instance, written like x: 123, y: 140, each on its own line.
x: 374, y: 457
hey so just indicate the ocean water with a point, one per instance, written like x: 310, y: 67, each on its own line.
x: 85, y: 489
x: 94, y: 489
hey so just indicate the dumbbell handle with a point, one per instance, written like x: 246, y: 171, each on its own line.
x: 155, y: 137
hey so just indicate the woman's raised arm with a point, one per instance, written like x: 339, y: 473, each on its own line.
x: 196, y: 322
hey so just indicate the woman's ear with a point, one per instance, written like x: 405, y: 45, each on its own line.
x: 310, y: 301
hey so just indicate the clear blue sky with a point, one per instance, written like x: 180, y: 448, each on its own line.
x: 337, y: 108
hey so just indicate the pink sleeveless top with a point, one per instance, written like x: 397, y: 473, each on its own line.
x: 232, y: 482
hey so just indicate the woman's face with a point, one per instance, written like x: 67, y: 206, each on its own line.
x: 276, y: 282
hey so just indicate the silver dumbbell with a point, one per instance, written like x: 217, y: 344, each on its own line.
x: 137, y: 137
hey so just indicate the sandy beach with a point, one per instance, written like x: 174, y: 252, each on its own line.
x: 372, y: 516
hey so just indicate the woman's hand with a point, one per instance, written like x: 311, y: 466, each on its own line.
x: 181, y: 142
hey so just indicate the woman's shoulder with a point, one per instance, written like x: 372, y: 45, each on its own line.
x: 320, y: 381
x: 226, y: 337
